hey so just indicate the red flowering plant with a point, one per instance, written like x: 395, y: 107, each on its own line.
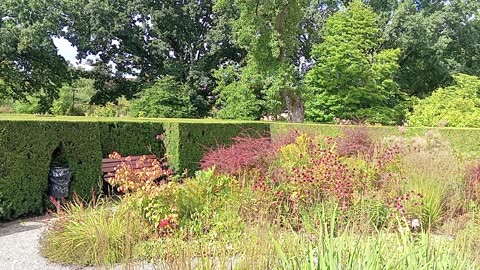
x: 406, y: 207
x: 247, y: 154
x: 354, y: 141
x: 309, y: 173
x: 375, y: 160
x: 141, y: 174
x: 168, y: 224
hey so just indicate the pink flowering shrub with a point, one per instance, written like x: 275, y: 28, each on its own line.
x: 245, y: 153
x: 355, y: 141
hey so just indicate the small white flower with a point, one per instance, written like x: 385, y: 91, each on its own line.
x: 415, y: 223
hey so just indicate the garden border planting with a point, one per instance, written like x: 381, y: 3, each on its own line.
x: 27, y: 143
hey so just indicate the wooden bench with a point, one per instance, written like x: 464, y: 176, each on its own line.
x: 109, y: 165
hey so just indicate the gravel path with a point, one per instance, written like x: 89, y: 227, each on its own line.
x: 19, y: 248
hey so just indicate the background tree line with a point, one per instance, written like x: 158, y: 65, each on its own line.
x: 377, y: 61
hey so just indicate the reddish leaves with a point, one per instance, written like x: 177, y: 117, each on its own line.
x: 245, y: 153
x: 130, y: 177
x: 354, y: 142
x: 473, y: 182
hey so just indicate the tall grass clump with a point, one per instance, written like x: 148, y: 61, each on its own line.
x: 332, y: 247
x: 92, y: 234
x: 431, y: 168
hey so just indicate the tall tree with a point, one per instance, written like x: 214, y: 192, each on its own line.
x: 437, y: 38
x: 269, y: 31
x: 29, y: 63
x: 353, y: 77
x: 151, y: 39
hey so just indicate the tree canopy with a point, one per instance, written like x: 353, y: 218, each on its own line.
x: 352, y: 76
x: 29, y: 63
x: 240, y: 58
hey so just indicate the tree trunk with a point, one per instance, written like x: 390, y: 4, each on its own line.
x: 294, y: 104
x: 292, y: 100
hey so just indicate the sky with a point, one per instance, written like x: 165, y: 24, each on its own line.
x: 69, y: 52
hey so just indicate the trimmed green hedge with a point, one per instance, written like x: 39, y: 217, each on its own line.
x: 27, y: 144
x: 130, y: 138
x: 25, y: 154
x: 26, y: 148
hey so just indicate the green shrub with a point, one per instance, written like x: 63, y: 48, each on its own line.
x: 72, y: 97
x: 107, y: 110
x: 455, y: 106
x: 237, y: 97
x: 166, y: 98
x: 353, y: 74
x: 30, y: 105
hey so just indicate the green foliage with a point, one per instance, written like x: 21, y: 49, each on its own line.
x: 29, y: 62
x: 270, y: 40
x: 352, y: 77
x: 107, y: 110
x: 437, y: 39
x: 347, y: 249
x: 118, y: 136
x: 73, y: 97
x: 30, y: 105
x: 237, y: 97
x: 26, y: 152
x: 457, y: 105
x: 269, y: 32
x: 182, y: 39
x: 166, y: 98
